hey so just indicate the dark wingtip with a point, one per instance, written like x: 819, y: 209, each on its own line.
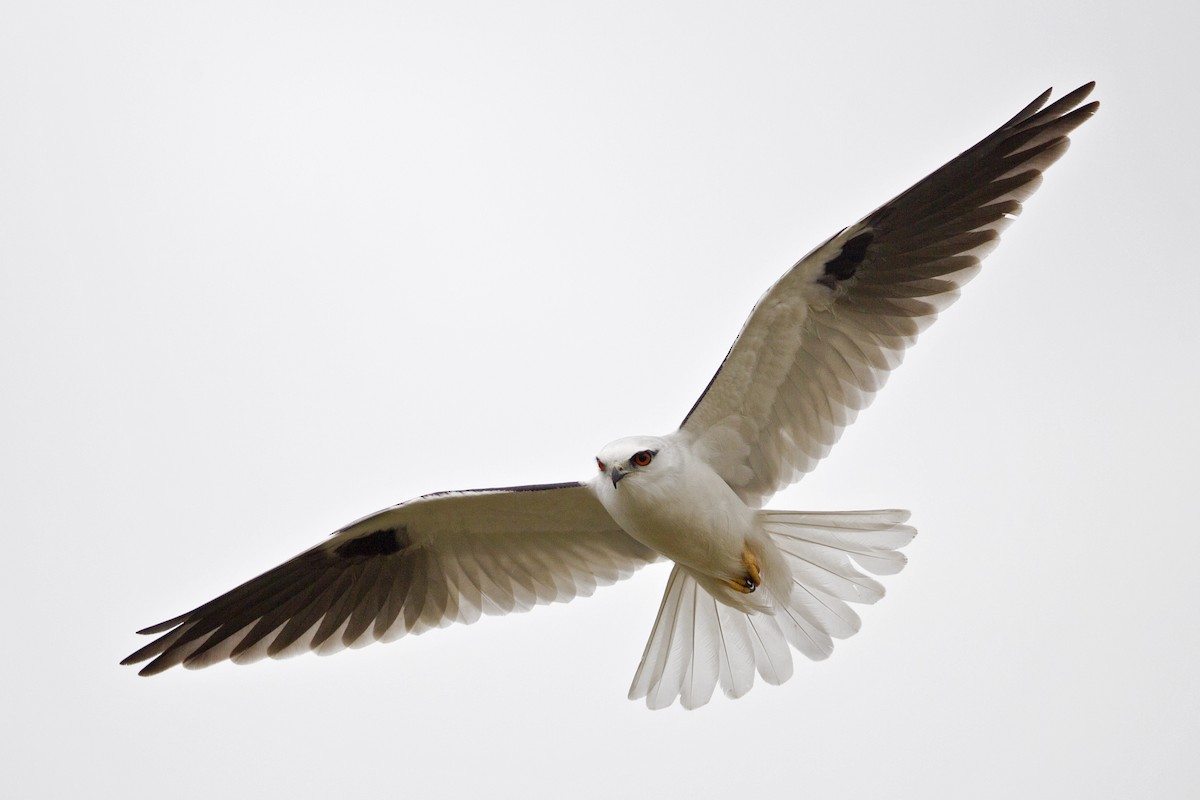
x: 1067, y: 101
x: 163, y: 627
x: 137, y: 656
x: 1077, y: 94
x: 159, y: 664
x: 1031, y: 109
x: 145, y: 671
x: 1071, y: 99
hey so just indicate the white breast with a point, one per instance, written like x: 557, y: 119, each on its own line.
x: 684, y: 510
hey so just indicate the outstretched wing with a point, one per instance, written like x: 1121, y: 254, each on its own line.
x: 439, y: 559
x: 822, y: 340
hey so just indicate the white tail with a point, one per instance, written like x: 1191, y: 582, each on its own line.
x: 700, y: 639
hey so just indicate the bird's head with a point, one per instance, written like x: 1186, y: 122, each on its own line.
x: 634, y: 455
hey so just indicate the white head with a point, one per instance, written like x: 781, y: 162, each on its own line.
x: 635, y: 456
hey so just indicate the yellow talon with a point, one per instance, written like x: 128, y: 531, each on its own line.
x: 751, y: 562
x: 753, y: 577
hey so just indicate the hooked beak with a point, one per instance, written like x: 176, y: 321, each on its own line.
x: 616, y: 475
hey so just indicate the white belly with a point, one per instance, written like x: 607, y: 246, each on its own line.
x: 689, y: 514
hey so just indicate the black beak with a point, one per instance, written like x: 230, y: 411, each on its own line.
x: 616, y: 474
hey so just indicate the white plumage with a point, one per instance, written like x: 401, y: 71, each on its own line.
x: 748, y: 584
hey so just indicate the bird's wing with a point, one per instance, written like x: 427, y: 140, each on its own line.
x: 439, y: 559
x: 822, y: 340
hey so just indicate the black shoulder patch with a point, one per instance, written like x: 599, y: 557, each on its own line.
x: 843, y: 266
x: 380, y: 543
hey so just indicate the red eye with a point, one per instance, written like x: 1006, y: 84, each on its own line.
x: 642, y: 458
x: 600, y: 464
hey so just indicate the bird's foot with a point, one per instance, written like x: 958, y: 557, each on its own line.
x: 753, y: 578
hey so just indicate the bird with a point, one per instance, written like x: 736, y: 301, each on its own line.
x: 748, y: 584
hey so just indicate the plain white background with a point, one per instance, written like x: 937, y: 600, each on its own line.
x: 267, y: 267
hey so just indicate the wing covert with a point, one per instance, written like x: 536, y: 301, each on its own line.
x: 823, y: 339
x: 442, y: 558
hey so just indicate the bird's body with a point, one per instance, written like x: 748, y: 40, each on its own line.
x: 749, y: 584
x: 676, y: 505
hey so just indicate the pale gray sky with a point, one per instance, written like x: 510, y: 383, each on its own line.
x: 266, y: 267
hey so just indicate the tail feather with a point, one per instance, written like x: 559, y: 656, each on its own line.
x: 831, y: 571
x: 702, y: 638
x: 871, y: 538
x: 804, y: 635
x: 704, y: 668
x: 823, y: 611
x: 736, y: 649
x: 772, y: 658
x: 651, y: 672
